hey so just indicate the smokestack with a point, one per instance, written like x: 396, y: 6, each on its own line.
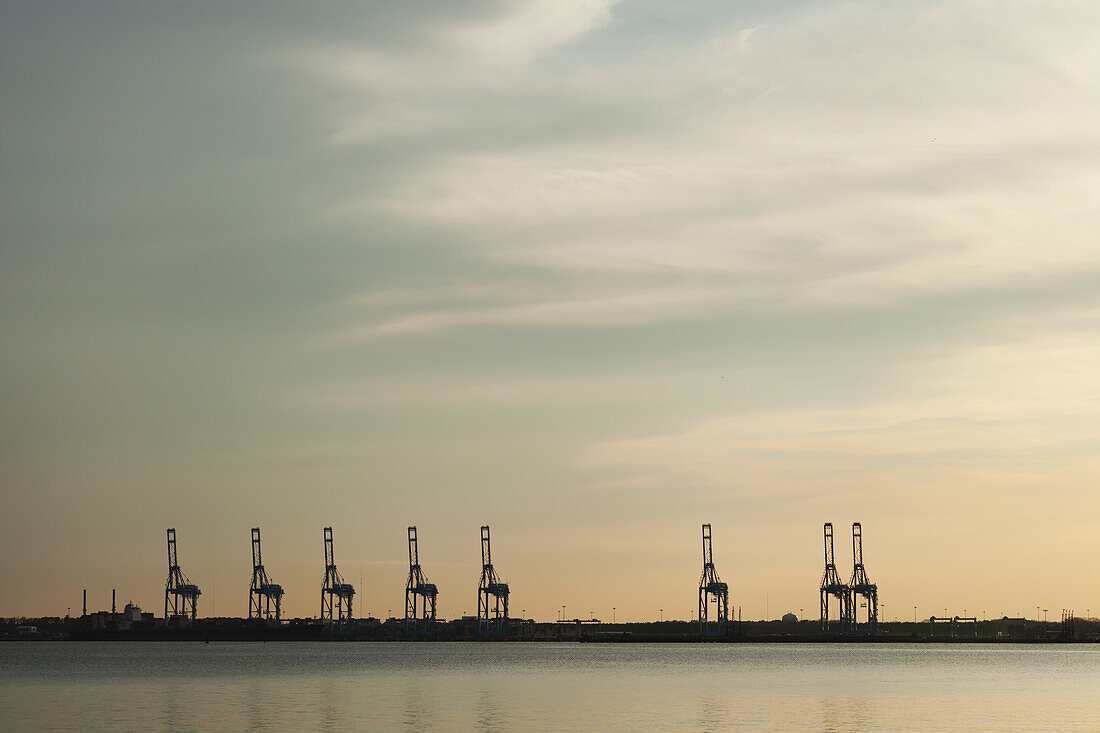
x: 85, y: 613
x: 112, y: 601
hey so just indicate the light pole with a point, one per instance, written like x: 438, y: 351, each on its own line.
x: 563, y: 614
x: 612, y: 614
x: 914, y: 614
x: 662, y: 615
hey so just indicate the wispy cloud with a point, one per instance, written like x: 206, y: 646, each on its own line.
x: 993, y: 418
x: 836, y: 154
x: 531, y: 28
x: 618, y: 309
x: 479, y: 391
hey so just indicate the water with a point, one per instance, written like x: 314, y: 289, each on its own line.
x: 547, y: 687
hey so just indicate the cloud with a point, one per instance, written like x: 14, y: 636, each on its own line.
x: 604, y: 310
x: 531, y: 28
x: 482, y: 46
x: 479, y: 391
x: 834, y: 154
x: 990, y: 419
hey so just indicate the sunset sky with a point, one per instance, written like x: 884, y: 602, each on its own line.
x: 590, y: 272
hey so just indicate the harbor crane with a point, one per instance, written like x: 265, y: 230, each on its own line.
x: 492, y: 615
x: 336, y: 595
x: 861, y: 587
x: 179, y: 592
x: 711, y: 586
x: 831, y: 587
x: 419, y: 614
x: 263, y: 594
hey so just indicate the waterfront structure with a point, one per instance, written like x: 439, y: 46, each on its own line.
x: 861, y: 587
x: 336, y: 595
x: 712, y: 587
x: 180, y: 594
x: 263, y: 594
x: 492, y: 615
x: 420, y: 595
x: 831, y: 587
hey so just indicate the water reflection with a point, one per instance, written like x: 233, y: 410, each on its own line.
x: 172, y: 710
x: 847, y: 715
x: 329, y: 703
x: 491, y: 712
x: 260, y: 708
x: 714, y: 714
x: 547, y: 687
x: 414, y: 714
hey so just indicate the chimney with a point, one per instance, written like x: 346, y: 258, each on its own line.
x: 85, y: 613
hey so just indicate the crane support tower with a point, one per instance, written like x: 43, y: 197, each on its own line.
x: 861, y: 587
x: 832, y: 587
x: 336, y: 595
x: 263, y: 594
x: 180, y: 594
x: 492, y: 615
x: 419, y: 614
x: 710, y: 585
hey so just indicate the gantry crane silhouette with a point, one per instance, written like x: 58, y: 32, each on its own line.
x: 831, y: 587
x: 711, y: 586
x: 861, y: 587
x: 336, y: 595
x: 179, y: 592
x: 262, y: 594
x: 492, y: 615
x: 419, y: 617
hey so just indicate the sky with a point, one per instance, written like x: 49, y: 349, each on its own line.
x: 590, y: 272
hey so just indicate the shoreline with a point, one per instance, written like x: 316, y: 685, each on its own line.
x: 102, y: 627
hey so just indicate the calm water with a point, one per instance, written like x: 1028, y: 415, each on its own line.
x: 546, y: 687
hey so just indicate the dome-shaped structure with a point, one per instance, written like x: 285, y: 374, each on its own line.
x: 790, y: 618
